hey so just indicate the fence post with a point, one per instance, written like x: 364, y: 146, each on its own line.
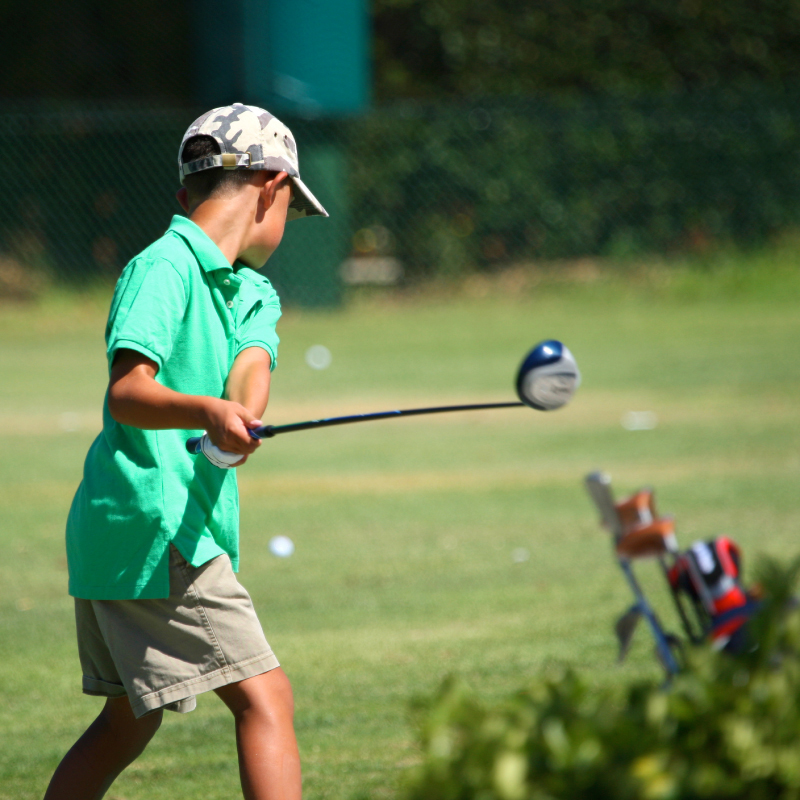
x: 305, y: 269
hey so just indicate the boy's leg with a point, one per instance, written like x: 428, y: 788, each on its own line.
x: 269, y: 762
x: 110, y: 743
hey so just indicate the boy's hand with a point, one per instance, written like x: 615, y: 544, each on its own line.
x: 136, y: 398
x: 228, y: 428
x: 219, y: 458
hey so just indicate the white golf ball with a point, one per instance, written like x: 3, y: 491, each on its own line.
x: 318, y: 357
x: 639, y: 420
x: 520, y: 555
x: 281, y: 546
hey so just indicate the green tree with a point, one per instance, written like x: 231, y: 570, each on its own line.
x: 436, y: 48
x: 93, y: 49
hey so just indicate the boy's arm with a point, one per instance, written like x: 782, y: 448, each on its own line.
x: 136, y: 398
x: 248, y: 380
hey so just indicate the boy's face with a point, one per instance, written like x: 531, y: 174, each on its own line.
x: 269, y: 221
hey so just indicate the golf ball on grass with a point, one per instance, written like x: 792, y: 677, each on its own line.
x: 318, y: 357
x: 639, y: 420
x: 520, y: 555
x: 281, y: 546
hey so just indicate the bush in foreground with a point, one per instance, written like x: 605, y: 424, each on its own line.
x: 727, y: 727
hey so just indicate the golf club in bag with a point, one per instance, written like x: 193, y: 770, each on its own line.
x: 704, y: 581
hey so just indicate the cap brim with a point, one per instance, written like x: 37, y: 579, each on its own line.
x: 304, y: 204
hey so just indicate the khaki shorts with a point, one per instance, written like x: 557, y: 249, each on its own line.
x: 162, y: 653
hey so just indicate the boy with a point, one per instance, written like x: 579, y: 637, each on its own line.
x: 152, y: 535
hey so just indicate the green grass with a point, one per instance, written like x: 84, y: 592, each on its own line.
x: 405, y: 530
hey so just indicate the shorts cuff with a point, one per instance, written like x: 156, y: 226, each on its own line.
x: 100, y: 688
x: 181, y: 696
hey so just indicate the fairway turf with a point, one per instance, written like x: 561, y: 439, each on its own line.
x: 463, y: 543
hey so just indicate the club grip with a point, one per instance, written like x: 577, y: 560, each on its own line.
x: 264, y: 432
x: 193, y: 445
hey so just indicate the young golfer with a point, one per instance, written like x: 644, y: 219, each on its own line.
x: 152, y: 535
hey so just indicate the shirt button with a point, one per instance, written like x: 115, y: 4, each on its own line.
x: 229, y: 304
x: 226, y: 282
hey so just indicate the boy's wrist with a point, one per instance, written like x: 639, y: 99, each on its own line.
x: 208, y: 411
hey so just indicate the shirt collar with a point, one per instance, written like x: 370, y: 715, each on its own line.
x: 208, y: 255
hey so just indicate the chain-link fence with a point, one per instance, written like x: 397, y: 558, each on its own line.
x: 419, y: 190
x: 84, y: 190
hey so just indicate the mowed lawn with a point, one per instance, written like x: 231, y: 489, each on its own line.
x: 456, y: 544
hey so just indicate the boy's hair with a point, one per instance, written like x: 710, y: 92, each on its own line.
x: 210, y: 182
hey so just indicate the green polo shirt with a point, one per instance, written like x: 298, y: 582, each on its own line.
x: 181, y: 304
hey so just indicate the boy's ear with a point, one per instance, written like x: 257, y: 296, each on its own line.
x: 272, y: 185
x: 183, y: 198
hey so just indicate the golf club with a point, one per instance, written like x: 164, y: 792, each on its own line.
x: 546, y: 380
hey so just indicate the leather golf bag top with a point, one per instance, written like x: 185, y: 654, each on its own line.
x: 643, y: 532
x: 709, y: 573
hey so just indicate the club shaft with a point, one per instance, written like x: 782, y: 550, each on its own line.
x: 268, y: 431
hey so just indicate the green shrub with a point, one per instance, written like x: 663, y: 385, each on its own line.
x: 470, y: 186
x: 727, y: 727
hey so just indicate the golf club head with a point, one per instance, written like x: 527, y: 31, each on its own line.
x: 625, y: 627
x: 548, y: 377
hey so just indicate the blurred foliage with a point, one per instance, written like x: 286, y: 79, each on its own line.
x: 422, y: 48
x: 442, y: 190
x: 727, y: 727
x: 85, y: 219
x: 439, y: 48
x: 91, y: 49
x: 464, y: 187
x: 610, y: 128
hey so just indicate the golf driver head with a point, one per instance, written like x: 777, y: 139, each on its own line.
x: 548, y: 377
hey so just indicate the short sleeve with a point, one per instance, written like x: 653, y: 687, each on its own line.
x: 261, y: 311
x: 147, y: 310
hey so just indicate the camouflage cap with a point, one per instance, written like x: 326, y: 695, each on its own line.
x: 251, y: 138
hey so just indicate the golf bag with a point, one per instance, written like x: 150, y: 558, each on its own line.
x: 704, y: 581
x: 709, y: 575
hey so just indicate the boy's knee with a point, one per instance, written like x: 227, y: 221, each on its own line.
x: 150, y: 723
x: 282, y: 692
x: 268, y: 695
x: 118, y: 716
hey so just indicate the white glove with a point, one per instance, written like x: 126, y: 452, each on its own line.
x: 219, y: 458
